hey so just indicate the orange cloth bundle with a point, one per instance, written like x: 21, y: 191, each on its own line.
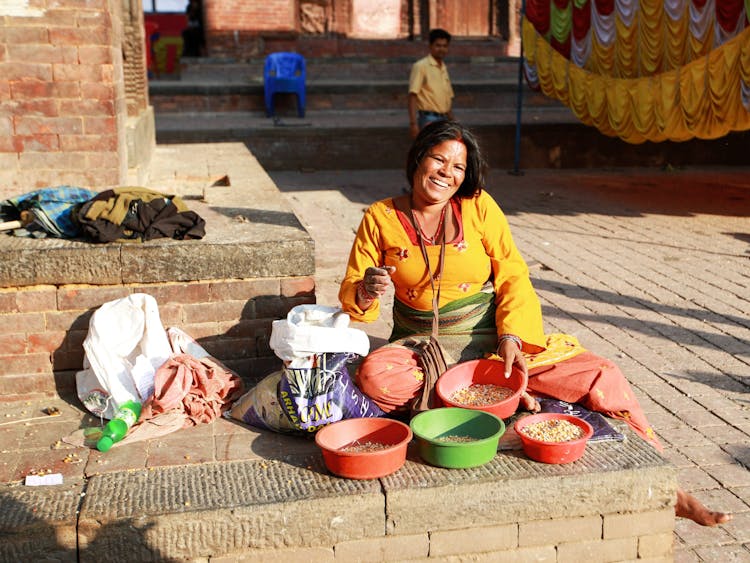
x: 391, y: 376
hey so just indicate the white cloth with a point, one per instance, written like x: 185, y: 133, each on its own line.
x: 125, y: 345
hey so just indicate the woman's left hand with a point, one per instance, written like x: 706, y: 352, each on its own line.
x: 511, y: 354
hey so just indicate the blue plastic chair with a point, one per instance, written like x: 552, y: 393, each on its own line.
x: 284, y: 73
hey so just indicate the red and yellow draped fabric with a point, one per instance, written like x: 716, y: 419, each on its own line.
x: 644, y: 70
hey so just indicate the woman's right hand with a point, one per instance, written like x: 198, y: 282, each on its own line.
x: 377, y: 280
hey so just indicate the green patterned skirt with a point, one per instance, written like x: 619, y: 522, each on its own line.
x: 466, y: 326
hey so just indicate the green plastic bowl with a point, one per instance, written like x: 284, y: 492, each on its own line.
x: 434, y: 430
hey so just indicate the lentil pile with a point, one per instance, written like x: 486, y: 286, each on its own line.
x: 554, y: 430
x: 481, y: 394
x: 456, y: 439
x: 357, y: 447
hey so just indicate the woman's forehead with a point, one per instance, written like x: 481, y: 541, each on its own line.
x: 453, y: 146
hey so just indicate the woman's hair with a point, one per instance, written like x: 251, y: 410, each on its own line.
x: 439, y: 131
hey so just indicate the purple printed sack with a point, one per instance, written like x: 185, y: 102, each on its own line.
x: 322, y: 393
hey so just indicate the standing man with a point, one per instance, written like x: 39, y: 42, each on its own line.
x: 430, y: 90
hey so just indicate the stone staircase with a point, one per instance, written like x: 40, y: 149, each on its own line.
x: 360, y: 84
x: 356, y: 116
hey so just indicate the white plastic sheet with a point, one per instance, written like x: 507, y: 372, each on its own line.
x: 125, y: 345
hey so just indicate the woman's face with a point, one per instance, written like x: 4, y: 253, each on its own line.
x: 440, y: 174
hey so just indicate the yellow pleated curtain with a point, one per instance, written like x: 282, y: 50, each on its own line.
x: 650, y: 84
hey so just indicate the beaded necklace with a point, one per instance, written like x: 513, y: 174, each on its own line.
x: 441, y: 226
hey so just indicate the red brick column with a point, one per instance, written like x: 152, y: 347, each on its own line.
x: 62, y: 97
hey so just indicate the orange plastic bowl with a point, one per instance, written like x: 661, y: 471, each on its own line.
x: 465, y: 374
x: 553, y: 452
x: 362, y: 432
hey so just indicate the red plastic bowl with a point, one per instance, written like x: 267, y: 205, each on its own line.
x: 482, y: 371
x: 553, y: 452
x: 364, y: 464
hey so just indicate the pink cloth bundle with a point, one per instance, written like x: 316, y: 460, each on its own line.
x: 200, y: 388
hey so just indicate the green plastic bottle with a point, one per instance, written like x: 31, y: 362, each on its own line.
x: 126, y: 416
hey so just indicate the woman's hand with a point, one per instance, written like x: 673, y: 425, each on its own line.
x: 377, y: 280
x: 374, y: 284
x: 511, y: 354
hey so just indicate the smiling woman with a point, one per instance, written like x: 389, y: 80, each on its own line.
x: 447, y: 249
x: 448, y: 211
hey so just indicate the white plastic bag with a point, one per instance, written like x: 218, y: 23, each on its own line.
x: 125, y: 345
x: 315, y: 387
x: 315, y: 329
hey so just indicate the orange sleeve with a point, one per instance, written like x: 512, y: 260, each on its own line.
x: 518, y: 309
x: 364, y: 253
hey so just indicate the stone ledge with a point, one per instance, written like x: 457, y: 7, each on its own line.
x: 350, y: 86
x: 275, y: 496
x: 38, y: 522
x: 222, y: 508
x: 611, y: 477
x: 250, y: 232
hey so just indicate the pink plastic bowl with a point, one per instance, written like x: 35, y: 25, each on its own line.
x: 553, y: 452
x: 365, y: 464
x: 482, y: 371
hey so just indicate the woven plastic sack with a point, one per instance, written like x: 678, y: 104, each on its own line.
x: 314, y: 387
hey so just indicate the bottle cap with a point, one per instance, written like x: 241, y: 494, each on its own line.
x: 104, y: 443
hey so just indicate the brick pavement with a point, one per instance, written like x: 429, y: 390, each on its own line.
x: 648, y: 267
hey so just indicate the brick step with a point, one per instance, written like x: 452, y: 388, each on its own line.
x: 337, y: 46
x: 220, y: 96
x: 224, y: 289
x: 551, y: 137
x: 364, y: 68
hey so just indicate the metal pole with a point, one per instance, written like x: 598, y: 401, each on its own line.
x: 519, y: 100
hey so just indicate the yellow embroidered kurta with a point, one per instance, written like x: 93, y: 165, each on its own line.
x: 483, y: 250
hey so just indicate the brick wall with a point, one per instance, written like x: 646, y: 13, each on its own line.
x: 594, y: 539
x: 235, y: 28
x: 242, y: 29
x: 268, y: 15
x: 62, y: 97
x: 42, y: 328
